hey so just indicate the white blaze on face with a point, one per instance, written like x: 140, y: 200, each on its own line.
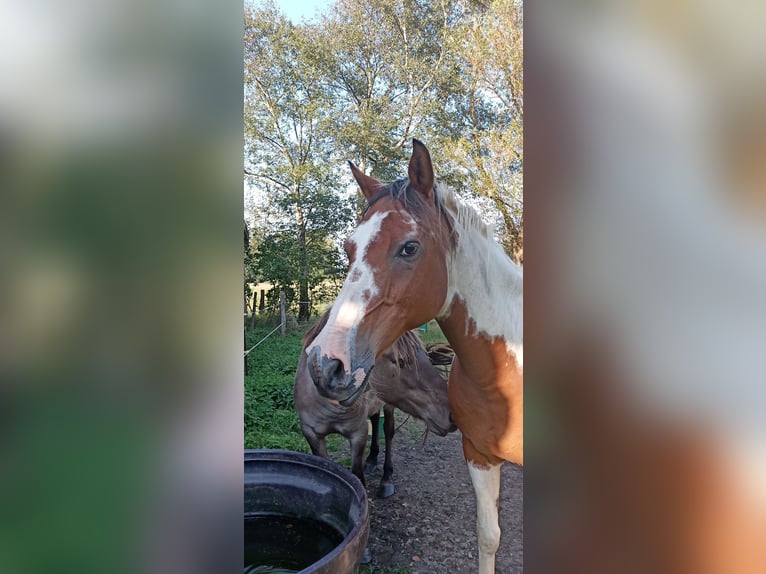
x: 348, y: 314
x: 350, y: 306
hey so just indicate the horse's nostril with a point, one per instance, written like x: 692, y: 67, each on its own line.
x: 323, y: 369
x: 332, y: 369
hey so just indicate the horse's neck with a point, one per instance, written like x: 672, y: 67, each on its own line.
x: 484, y: 296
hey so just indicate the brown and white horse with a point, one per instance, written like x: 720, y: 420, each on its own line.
x: 420, y: 253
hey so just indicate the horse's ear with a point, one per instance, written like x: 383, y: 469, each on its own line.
x: 369, y: 185
x: 421, y: 172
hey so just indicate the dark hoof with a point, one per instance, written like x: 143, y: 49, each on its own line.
x: 370, y: 467
x: 366, y: 557
x: 385, y: 490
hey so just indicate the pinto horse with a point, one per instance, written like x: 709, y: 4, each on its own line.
x: 418, y: 254
x: 404, y: 378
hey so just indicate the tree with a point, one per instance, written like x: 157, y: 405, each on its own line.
x: 249, y: 270
x: 482, y: 116
x: 382, y: 59
x: 448, y: 73
x: 359, y: 85
x: 287, y: 154
x: 279, y: 261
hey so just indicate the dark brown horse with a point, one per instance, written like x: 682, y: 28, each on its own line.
x: 404, y: 378
x: 420, y: 253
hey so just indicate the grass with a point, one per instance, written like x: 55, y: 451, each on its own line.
x: 270, y: 417
x: 433, y: 333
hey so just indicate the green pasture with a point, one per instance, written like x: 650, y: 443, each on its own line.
x: 270, y: 417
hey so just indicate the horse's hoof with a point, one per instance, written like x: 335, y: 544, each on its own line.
x: 369, y: 468
x: 366, y: 557
x: 385, y: 490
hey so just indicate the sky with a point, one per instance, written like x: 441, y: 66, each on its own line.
x: 298, y: 10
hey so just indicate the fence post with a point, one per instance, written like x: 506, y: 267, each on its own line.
x: 246, y: 365
x: 262, y: 304
x: 282, y: 312
x: 255, y: 305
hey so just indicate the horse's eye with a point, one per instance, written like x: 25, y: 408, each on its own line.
x: 409, y: 249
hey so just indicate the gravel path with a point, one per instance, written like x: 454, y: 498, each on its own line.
x: 429, y: 524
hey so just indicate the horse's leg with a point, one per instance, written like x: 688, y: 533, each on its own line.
x: 358, y: 442
x: 486, y: 484
x: 386, y: 487
x: 316, y: 442
x: 372, y: 460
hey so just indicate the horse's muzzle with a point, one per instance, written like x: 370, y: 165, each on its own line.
x: 439, y: 426
x: 333, y: 382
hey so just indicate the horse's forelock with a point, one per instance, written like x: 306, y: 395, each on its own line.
x: 406, y: 348
x: 413, y: 202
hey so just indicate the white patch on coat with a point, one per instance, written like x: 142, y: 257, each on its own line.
x: 350, y: 306
x: 486, y: 485
x: 485, y: 278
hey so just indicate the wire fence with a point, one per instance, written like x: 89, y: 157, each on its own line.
x: 262, y: 340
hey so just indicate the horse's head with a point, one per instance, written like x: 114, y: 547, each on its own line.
x: 397, y: 278
x: 408, y: 380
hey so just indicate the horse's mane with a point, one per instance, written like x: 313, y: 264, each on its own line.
x: 463, y: 214
x: 405, y: 347
x: 450, y: 209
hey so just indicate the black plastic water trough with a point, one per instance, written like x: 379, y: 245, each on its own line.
x: 303, y: 514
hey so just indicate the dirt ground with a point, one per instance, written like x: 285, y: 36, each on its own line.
x: 429, y: 525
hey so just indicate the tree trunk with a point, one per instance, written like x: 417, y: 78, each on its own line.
x: 517, y: 238
x: 514, y: 239
x: 513, y: 242
x: 282, y: 313
x: 304, y: 305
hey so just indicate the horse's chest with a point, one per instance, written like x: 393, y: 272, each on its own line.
x: 488, y: 411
